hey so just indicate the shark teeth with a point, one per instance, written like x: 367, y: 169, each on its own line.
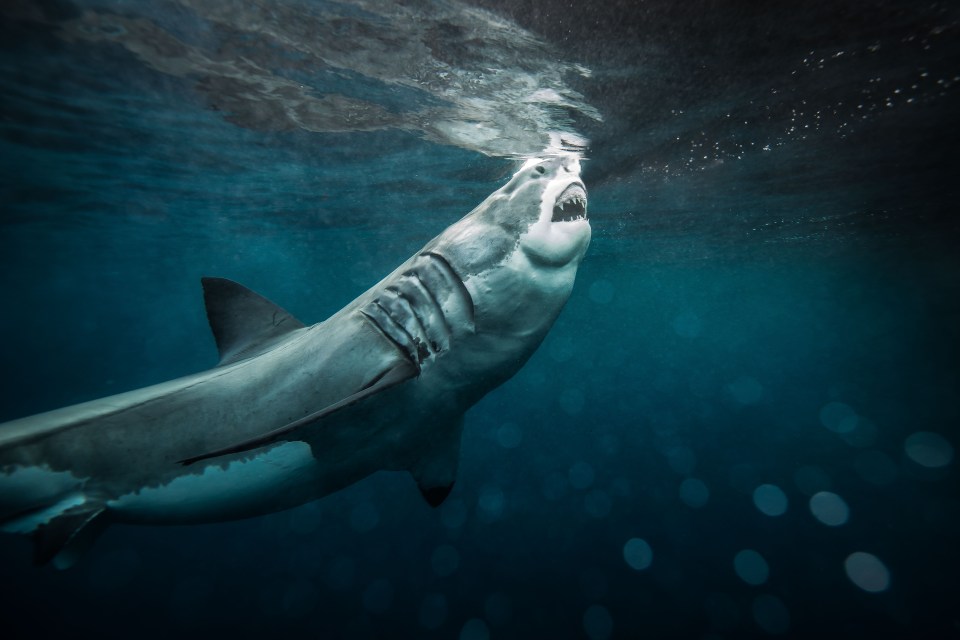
x: 571, y: 205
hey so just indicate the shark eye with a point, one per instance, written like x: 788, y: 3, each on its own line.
x: 541, y: 170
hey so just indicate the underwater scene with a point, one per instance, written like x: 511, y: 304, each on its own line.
x: 709, y: 301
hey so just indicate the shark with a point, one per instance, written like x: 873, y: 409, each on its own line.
x: 291, y: 412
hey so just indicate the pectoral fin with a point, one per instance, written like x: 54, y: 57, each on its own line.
x: 392, y: 377
x: 67, y: 536
x: 436, y: 472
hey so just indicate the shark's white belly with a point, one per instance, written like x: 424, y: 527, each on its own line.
x: 277, y: 478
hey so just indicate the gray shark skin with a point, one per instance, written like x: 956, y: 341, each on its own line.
x: 293, y: 413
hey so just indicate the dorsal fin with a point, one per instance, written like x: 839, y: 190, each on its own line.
x: 242, y: 320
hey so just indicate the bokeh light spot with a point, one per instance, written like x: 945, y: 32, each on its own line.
x: 929, y: 449
x: 475, y: 629
x: 829, y: 508
x: 751, y: 567
x: 445, y: 560
x: 838, y: 417
x: 770, y: 500
x: 867, y: 572
x: 771, y: 614
x: 597, y: 622
x: 491, y: 503
x: 433, y: 610
x: 598, y: 503
x: 637, y: 553
x: 509, y: 435
x: 602, y: 291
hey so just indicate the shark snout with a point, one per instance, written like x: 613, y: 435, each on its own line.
x: 570, y: 163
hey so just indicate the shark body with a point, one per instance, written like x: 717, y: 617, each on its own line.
x: 293, y: 412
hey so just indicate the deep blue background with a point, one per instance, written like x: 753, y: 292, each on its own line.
x: 729, y: 295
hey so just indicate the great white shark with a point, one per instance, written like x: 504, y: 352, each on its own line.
x: 292, y: 413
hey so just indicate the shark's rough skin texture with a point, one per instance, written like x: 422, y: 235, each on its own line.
x: 293, y: 413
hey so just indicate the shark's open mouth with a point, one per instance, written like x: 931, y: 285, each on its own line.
x: 572, y: 204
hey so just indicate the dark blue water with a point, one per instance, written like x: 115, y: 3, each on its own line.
x: 744, y: 423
